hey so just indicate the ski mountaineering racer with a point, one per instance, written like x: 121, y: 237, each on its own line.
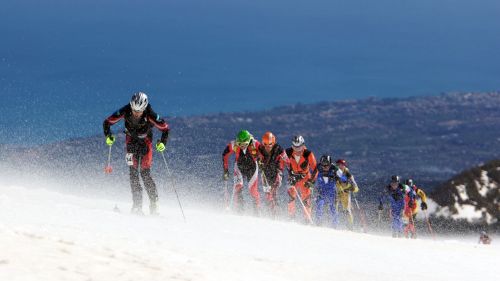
x: 139, y: 120
x: 302, y: 174
x: 246, y: 150
x: 411, y: 208
x: 395, y: 193
x: 272, y: 161
x: 345, y: 186
x: 326, y: 190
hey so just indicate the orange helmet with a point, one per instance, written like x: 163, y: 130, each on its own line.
x: 268, y: 139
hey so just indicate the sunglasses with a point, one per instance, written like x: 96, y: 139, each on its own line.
x: 242, y: 143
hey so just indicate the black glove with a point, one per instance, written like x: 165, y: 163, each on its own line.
x: 309, y: 184
x: 380, y: 207
x: 411, y: 204
x: 226, y: 175
x: 423, y: 206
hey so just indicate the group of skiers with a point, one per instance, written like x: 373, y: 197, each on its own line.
x: 402, y: 198
x: 332, y: 182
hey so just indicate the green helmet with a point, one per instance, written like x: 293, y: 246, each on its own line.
x: 243, y: 137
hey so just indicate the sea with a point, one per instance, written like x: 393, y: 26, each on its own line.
x: 66, y: 65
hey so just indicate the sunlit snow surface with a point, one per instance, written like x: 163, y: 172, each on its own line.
x: 46, y: 235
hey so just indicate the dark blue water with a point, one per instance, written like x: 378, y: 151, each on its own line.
x: 66, y: 65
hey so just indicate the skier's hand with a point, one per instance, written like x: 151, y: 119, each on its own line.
x: 411, y: 204
x: 260, y: 164
x: 110, y: 139
x: 380, y: 207
x: 309, y: 184
x: 423, y: 206
x: 226, y: 175
x: 160, y: 147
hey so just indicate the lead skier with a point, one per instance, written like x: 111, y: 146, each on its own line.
x: 139, y: 118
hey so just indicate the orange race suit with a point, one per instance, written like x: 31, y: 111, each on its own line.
x: 302, y: 174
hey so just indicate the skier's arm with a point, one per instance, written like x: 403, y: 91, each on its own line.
x: 354, y: 184
x: 422, y: 195
x: 382, y: 197
x: 160, y: 124
x: 283, y: 161
x: 314, y: 165
x: 225, y: 156
x: 113, y: 119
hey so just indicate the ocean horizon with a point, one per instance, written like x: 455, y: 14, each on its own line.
x: 66, y: 65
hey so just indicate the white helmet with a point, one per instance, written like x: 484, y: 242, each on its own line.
x: 139, y: 101
x: 298, y: 141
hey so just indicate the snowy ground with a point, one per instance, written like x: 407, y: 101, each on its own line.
x: 46, y: 235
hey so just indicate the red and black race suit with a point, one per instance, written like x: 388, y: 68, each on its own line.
x: 139, y: 131
x: 273, y: 162
x: 245, y: 160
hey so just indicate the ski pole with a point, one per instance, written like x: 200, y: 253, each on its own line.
x: 361, y: 213
x: 108, y: 169
x: 303, y: 206
x: 173, y: 186
x: 429, y: 227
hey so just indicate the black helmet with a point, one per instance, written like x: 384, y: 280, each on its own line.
x: 395, y: 178
x: 325, y: 160
x: 409, y: 182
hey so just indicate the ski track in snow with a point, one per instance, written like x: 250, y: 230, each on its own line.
x: 46, y: 235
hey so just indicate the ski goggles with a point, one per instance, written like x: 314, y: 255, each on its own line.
x: 298, y: 148
x: 245, y: 143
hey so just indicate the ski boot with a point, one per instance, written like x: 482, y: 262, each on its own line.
x: 137, y: 210
x: 153, y: 208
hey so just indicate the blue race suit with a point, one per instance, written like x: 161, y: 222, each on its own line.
x: 397, y: 203
x: 327, y: 192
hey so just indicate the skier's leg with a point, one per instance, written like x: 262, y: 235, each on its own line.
x: 397, y: 222
x: 274, y: 195
x: 150, y: 186
x: 149, y: 183
x: 305, y: 195
x: 342, y: 197
x: 320, y: 203
x: 136, y: 188
x: 350, y: 217
x: 238, y: 188
x: 291, y: 202
x: 331, y: 203
x: 253, y: 184
x: 414, y: 230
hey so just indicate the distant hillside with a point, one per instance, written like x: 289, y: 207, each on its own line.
x: 428, y: 138
x: 473, y: 195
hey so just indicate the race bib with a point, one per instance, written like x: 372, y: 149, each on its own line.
x: 129, y: 157
x: 266, y: 188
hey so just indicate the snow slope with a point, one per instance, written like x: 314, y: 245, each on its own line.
x: 46, y: 235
